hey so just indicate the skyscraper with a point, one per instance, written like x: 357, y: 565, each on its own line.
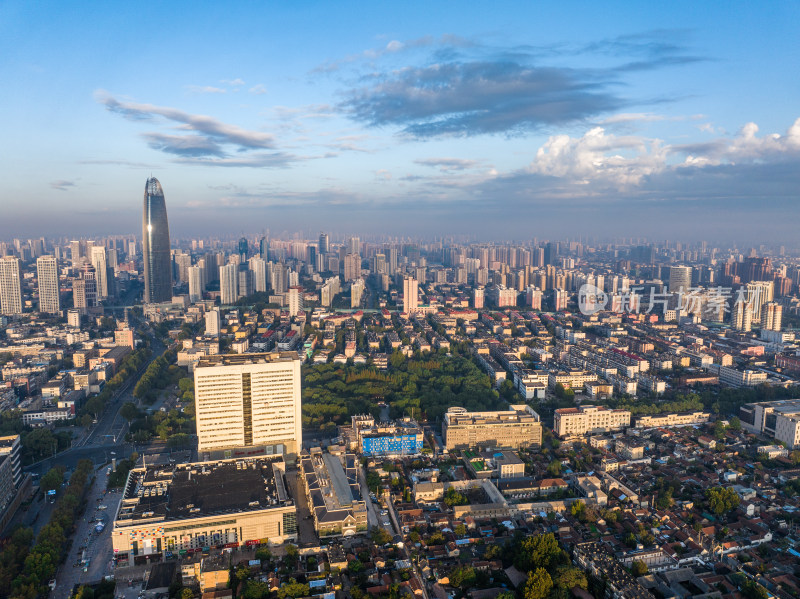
x: 195, y: 275
x: 47, y: 275
x: 324, y: 243
x: 155, y: 245
x: 10, y: 286
x: 680, y: 279
x: 101, y: 269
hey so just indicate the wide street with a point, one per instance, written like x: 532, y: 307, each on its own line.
x: 87, y: 543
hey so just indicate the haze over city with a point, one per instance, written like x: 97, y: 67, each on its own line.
x: 490, y: 121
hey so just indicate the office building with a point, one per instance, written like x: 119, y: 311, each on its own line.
x: 680, y: 279
x: 187, y: 508
x: 228, y: 284
x: 47, y: 277
x: 403, y: 437
x: 248, y: 403
x: 571, y: 422
x: 674, y: 419
x: 324, y: 243
x: 410, y: 295
x: 774, y: 419
x: 517, y: 427
x: 155, y: 245
x: 10, y: 286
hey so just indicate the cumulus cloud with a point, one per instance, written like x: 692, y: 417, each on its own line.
x: 447, y: 164
x: 62, y: 185
x: 481, y: 97
x: 600, y: 157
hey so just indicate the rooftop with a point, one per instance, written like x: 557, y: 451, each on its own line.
x: 203, y: 489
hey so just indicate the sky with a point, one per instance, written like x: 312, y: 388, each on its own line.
x: 487, y: 121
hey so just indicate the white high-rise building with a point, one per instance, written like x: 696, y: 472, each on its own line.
x: 771, y: 316
x: 228, y: 283
x: 47, y: 275
x: 248, y: 402
x: 259, y: 268
x: 356, y: 292
x: 295, y: 296
x: 212, y: 322
x: 101, y: 270
x: 410, y: 295
x: 10, y: 286
x: 74, y: 318
x: 195, y: 275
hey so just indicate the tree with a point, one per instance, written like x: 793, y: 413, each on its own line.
x: 638, y: 568
x: 463, y: 577
x: 735, y: 424
x: 187, y: 593
x: 554, y: 468
x: 453, y: 497
x: 722, y: 499
x: 53, y: 479
x: 129, y: 411
x: 540, y: 551
x: 719, y: 430
x: 569, y: 577
x: 263, y: 554
x: 460, y: 530
x: 539, y: 584
x: 293, y: 589
x: 380, y: 536
x: 795, y: 457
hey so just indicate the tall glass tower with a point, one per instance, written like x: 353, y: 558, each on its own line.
x: 155, y: 245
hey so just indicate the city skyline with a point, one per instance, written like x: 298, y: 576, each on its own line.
x: 528, y: 122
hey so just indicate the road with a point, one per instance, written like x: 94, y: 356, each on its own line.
x: 107, y: 435
x: 96, y: 545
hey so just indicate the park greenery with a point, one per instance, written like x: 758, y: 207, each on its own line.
x: 424, y: 387
x: 24, y: 569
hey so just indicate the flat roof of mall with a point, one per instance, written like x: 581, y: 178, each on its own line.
x: 203, y: 489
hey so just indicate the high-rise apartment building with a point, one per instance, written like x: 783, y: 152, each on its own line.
x: 248, y: 403
x: 259, y: 268
x: 155, y: 245
x: 352, y: 267
x: 410, y: 295
x: 212, y: 319
x: 295, y: 296
x: 47, y: 277
x: 100, y: 264
x: 228, y: 283
x: 195, y: 276
x: 742, y: 316
x: 478, y: 298
x: 10, y: 286
x: 771, y: 316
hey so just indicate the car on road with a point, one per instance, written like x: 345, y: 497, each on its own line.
x: 102, y: 507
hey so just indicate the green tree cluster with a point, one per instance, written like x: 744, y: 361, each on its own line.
x: 721, y: 500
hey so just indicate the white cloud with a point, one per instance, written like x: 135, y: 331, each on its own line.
x: 258, y: 90
x: 205, y: 89
x: 598, y: 156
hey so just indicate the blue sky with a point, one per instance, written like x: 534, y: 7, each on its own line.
x: 487, y: 120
